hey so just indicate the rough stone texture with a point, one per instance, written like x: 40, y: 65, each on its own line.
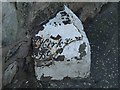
x: 86, y: 10
x: 9, y: 23
x: 104, y: 57
x: 14, y: 55
x: 26, y: 16
x: 29, y: 15
x: 61, y: 49
x: 9, y: 73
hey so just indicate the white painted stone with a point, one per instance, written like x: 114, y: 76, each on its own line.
x: 71, y: 58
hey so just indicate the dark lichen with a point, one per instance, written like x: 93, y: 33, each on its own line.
x: 55, y: 38
x: 60, y: 58
x: 82, y: 50
x: 63, y: 13
x: 77, y: 58
x: 68, y: 21
x: 78, y: 38
x: 82, y: 47
x: 59, y: 51
x: 82, y: 54
x: 68, y: 60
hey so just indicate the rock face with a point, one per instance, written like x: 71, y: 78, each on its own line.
x: 61, y: 48
x: 10, y: 73
x: 9, y: 23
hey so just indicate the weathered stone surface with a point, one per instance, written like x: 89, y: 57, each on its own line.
x: 9, y: 73
x: 31, y: 14
x: 19, y: 17
x: 61, y: 48
x: 9, y: 23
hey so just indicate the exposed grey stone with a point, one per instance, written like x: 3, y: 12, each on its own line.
x: 9, y: 23
x: 31, y: 14
x: 9, y: 73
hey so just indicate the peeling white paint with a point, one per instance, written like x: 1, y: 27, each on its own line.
x: 69, y: 29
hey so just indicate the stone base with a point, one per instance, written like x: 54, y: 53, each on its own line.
x: 61, y: 69
x: 62, y: 49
